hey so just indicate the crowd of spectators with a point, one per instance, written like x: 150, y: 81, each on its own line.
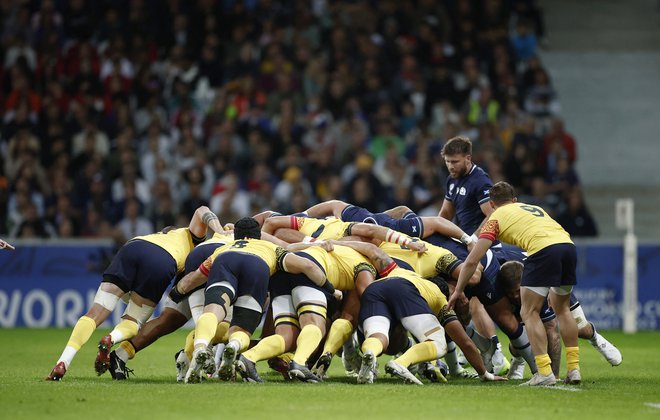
x: 121, y: 117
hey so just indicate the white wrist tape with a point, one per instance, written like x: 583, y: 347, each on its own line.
x: 396, y: 237
x: 487, y: 376
x: 309, y: 239
x: 466, y: 239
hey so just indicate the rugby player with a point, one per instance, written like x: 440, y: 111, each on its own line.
x: 6, y: 245
x: 549, y: 271
x: 173, y: 317
x: 144, y: 266
x: 300, y: 305
x: 238, y: 275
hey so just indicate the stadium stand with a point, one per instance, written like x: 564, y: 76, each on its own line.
x: 122, y: 117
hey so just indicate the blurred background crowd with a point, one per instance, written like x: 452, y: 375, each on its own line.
x: 121, y: 117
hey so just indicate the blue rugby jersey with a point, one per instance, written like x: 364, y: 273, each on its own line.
x: 468, y: 193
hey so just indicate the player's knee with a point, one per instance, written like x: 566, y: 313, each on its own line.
x: 376, y: 325
x: 140, y: 313
x: 106, y: 299
x: 219, y: 294
x: 580, y: 318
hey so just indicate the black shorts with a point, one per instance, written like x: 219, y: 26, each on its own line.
x: 196, y: 257
x: 553, y: 266
x: 246, y: 273
x: 394, y: 298
x: 142, y: 267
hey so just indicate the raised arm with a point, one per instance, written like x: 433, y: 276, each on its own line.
x: 202, y: 219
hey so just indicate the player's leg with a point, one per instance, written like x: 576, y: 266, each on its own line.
x: 399, y: 212
x: 311, y: 306
x: 375, y: 319
x: 431, y: 345
x: 532, y: 299
x: 152, y: 272
x: 492, y: 354
x: 587, y: 330
x: 218, y: 297
x: 286, y: 326
x: 340, y: 332
x: 253, y: 276
x: 500, y: 312
x: 559, y: 299
x: 170, y: 320
x: 105, y: 301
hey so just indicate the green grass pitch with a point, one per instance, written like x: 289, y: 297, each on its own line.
x: 628, y: 391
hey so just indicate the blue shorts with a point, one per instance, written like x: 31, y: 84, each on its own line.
x: 142, y: 267
x: 246, y: 273
x: 394, y: 298
x: 197, y: 256
x: 553, y: 266
x: 411, y: 226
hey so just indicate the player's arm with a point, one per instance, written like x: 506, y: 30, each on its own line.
x: 445, y: 227
x: 290, y: 235
x: 202, y: 219
x: 277, y: 241
x: 188, y: 283
x: 271, y: 224
x: 295, y: 264
x: 380, y: 260
x: 469, y: 267
x: 487, y: 210
x: 327, y: 208
x: 447, y: 211
x: 371, y: 231
x: 5, y: 245
x: 261, y: 217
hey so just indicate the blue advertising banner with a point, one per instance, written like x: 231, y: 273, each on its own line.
x: 53, y: 285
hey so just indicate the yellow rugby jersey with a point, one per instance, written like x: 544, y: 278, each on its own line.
x: 177, y: 242
x: 436, y: 260
x: 526, y: 226
x: 270, y: 253
x: 331, y: 228
x: 341, y: 266
x: 219, y: 238
x: 427, y: 289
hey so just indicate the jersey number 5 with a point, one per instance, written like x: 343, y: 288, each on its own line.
x: 534, y: 210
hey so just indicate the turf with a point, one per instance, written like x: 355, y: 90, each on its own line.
x: 28, y: 356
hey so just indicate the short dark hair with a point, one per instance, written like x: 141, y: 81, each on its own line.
x: 457, y: 146
x: 510, y: 274
x: 247, y: 227
x: 502, y: 192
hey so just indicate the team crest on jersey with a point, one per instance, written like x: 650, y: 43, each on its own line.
x: 451, y: 188
x: 462, y: 191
